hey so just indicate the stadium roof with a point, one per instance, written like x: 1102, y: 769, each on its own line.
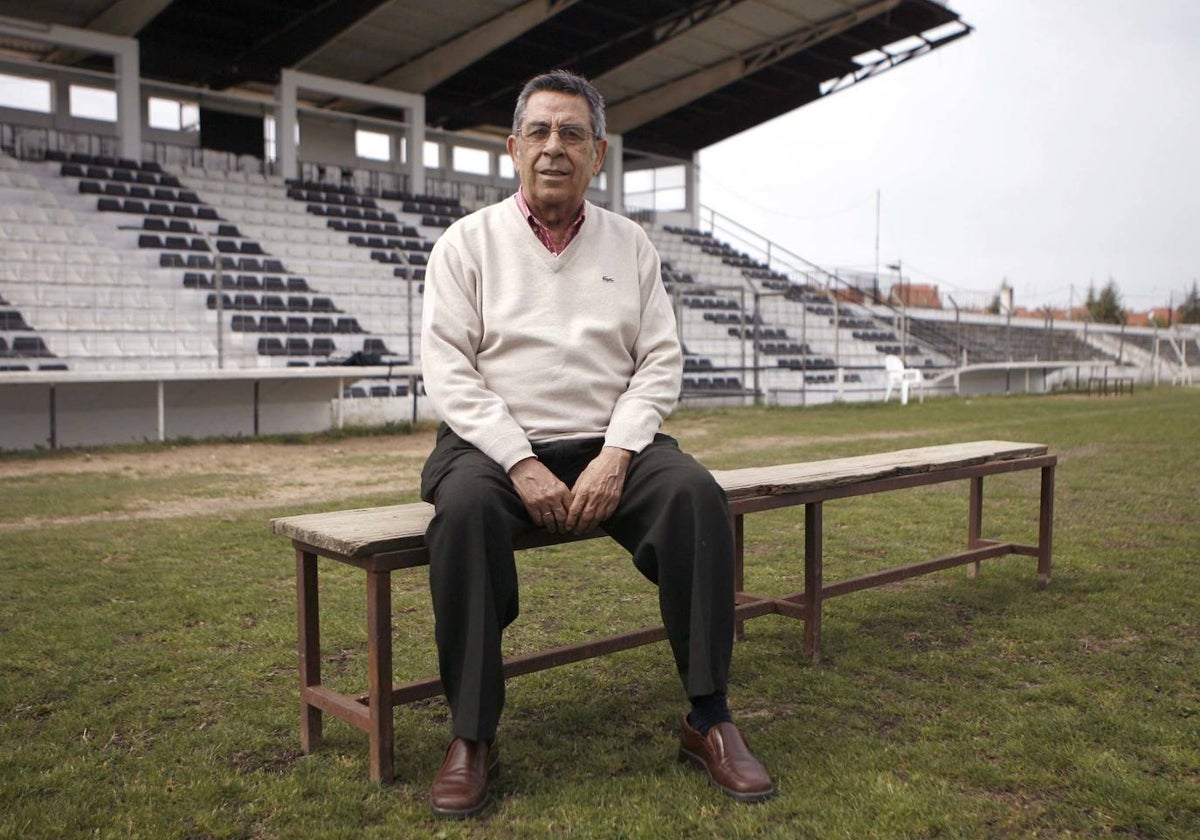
x: 678, y: 76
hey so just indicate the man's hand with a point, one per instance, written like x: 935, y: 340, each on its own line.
x: 598, y: 490
x: 546, y: 498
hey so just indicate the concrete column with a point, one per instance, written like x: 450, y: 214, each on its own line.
x: 416, y: 145
x: 614, y: 165
x: 692, y: 189
x: 127, y: 65
x: 292, y: 81
x: 286, y: 153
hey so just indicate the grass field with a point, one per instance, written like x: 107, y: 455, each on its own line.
x: 147, y: 642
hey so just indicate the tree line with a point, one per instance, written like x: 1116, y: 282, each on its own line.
x: 1105, y: 307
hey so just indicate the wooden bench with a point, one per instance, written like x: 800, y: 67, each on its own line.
x: 383, y: 539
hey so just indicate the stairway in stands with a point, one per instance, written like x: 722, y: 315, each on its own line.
x: 735, y: 308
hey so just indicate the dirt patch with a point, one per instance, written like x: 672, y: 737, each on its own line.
x: 275, y: 475
x: 262, y: 475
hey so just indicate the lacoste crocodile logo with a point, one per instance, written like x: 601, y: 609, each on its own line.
x: 606, y: 278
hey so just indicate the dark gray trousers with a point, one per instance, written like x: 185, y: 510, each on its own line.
x: 673, y: 519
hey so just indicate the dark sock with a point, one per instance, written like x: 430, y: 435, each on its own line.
x: 708, y: 710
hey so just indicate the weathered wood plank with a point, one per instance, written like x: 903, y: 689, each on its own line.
x: 366, y: 531
x: 361, y: 531
x: 816, y: 475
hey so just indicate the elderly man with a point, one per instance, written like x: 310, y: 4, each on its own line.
x: 550, y: 351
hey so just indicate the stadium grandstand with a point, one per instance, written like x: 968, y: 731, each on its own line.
x: 215, y: 218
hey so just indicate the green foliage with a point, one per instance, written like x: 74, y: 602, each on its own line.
x: 149, y: 685
x: 1189, y: 312
x: 1105, y: 308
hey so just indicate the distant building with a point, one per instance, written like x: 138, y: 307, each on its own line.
x: 916, y: 295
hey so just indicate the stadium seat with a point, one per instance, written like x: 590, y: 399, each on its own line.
x: 12, y: 321
x: 298, y: 347
x: 271, y: 347
x: 30, y: 346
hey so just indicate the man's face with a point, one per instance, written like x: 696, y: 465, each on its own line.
x: 555, y: 173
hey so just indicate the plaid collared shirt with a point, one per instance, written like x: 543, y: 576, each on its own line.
x: 542, y: 232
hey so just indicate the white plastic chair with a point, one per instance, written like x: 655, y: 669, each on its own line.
x: 903, y: 378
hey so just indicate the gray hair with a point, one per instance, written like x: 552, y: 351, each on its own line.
x: 562, y: 81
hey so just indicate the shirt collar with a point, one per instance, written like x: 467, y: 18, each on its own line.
x: 542, y: 232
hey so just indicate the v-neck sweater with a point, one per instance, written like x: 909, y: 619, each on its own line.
x: 520, y: 346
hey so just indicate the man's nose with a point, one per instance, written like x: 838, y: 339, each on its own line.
x: 554, y: 143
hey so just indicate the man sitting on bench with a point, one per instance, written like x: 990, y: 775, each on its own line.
x: 549, y: 349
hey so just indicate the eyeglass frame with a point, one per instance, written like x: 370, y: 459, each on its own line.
x: 586, y: 134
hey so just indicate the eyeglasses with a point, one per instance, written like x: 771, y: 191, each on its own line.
x: 571, y: 135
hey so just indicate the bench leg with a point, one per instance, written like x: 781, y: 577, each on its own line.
x: 1046, y: 527
x: 813, y: 566
x: 309, y: 635
x: 379, y: 674
x: 975, y: 521
x: 739, y: 580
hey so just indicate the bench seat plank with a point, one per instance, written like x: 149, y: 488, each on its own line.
x: 365, y: 532
x: 819, y: 475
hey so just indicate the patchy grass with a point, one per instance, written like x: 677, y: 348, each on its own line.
x: 149, y: 682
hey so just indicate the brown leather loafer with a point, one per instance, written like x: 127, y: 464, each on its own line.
x: 723, y: 754
x: 460, y: 788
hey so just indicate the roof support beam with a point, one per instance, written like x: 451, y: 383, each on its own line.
x: 599, y: 58
x: 637, y: 110
x: 440, y: 63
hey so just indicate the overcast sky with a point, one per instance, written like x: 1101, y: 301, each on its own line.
x: 1057, y: 145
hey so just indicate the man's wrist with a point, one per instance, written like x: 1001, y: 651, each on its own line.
x: 524, y: 463
x: 626, y: 455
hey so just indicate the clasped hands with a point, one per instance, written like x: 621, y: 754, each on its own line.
x: 561, y: 509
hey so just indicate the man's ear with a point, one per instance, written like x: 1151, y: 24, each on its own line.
x: 601, y: 151
x: 511, y: 145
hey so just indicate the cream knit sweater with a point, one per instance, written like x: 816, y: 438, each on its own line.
x: 518, y: 345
